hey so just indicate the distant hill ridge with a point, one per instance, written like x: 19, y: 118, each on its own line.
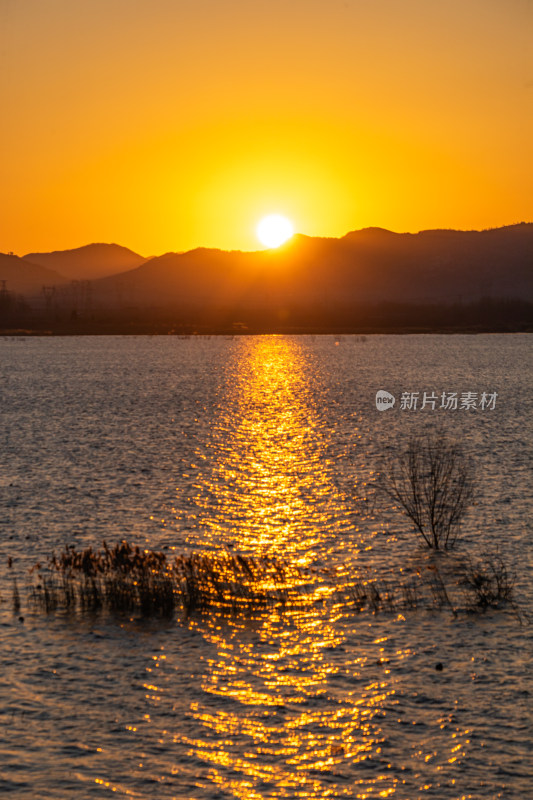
x: 371, y: 265
x: 89, y: 262
x: 23, y: 277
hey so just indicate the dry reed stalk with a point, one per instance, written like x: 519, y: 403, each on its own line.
x: 126, y: 579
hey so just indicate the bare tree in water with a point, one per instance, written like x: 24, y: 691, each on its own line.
x: 432, y: 481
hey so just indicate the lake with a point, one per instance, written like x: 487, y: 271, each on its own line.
x: 265, y: 446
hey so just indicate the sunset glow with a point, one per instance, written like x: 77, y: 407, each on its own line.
x: 167, y: 126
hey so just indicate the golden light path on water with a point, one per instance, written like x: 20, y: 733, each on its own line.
x: 278, y: 727
x: 266, y: 485
x: 283, y: 730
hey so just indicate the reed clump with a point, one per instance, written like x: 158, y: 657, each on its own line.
x: 461, y: 583
x: 488, y: 583
x: 400, y: 594
x: 125, y: 578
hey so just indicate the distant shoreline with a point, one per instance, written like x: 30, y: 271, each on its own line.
x: 147, y: 330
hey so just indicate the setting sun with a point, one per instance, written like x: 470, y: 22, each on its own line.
x: 273, y: 230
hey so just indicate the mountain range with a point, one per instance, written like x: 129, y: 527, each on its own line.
x: 368, y: 266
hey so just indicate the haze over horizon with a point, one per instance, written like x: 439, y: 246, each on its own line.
x: 170, y: 126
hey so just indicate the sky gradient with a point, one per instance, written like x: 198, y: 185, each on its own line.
x: 169, y: 124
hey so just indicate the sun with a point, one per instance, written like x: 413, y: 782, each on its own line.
x: 273, y: 230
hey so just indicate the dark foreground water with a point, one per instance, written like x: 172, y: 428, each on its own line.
x: 263, y: 446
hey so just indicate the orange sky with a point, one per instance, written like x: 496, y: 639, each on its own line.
x: 168, y: 124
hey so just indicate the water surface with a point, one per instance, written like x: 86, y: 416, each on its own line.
x: 263, y: 446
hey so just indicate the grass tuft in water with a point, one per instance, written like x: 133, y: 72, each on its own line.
x: 127, y: 579
x: 488, y: 583
x: 459, y: 583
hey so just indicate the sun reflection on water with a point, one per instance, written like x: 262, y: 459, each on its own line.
x: 292, y: 696
x: 264, y: 482
x: 283, y: 724
x: 271, y: 720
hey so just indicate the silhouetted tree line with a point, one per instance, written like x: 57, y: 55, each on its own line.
x: 12, y: 307
x: 488, y: 314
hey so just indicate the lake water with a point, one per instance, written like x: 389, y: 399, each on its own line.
x: 264, y: 445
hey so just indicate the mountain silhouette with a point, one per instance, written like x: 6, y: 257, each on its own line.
x: 367, y: 266
x: 371, y: 279
x: 23, y: 277
x: 90, y: 262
